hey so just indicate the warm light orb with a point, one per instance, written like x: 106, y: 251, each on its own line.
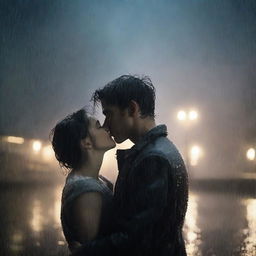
x: 48, y: 153
x: 36, y: 221
x: 250, y: 238
x: 191, y: 228
x: 182, y: 115
x: 16, y: 140
x: 37, y: 145
x: 195, y: 154
x: 193, y: 115
x: 251, y: 154
x: 195, y: 150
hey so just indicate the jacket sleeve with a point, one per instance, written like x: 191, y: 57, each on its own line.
x: 148, y: 189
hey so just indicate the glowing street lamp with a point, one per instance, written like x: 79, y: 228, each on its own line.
x: 187, y: 117
x: 251, y: 154
x: 37, y: 145
x: 193, y: 115
x: 182, y: 115
x: 195, y: 154
x: 16, y: 140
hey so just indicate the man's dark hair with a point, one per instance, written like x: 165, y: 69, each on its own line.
x: 66, y: 137
x: 121, y: 91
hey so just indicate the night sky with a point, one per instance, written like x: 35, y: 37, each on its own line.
x: 198, y: 53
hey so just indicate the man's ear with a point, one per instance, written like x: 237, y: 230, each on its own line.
x: 134, y: 108
x: 86, y: 143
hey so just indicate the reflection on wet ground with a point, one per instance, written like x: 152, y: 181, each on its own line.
x: 220, y: 224
x: 30, y: 223
x: 217, y: 223
x: 192, y: 232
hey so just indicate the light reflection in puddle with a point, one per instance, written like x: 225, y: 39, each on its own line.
x: 56, y: 214
x: 37, y: 218
x: 191, y: 230
x: 57, y: 206
x: 33, y: 226
x: 249, y: 247
x: 16, y: 243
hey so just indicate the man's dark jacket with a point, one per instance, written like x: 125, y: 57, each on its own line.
x: 151, y: 195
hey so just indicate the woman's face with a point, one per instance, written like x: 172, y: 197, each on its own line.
x: 100, y: 137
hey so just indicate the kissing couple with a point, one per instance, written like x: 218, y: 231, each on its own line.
x: 145, y: 214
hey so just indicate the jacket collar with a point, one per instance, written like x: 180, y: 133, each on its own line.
x: 150, y: 136
x: 158, y: 131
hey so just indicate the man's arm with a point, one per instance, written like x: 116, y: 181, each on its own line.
x: 149, y: 189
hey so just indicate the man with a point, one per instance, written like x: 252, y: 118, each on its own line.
x: 151, y: 191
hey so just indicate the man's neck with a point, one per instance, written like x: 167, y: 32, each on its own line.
x: 142, y: 127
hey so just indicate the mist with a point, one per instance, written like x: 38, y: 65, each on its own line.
x: 199, y: 55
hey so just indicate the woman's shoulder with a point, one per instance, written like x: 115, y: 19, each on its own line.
x: 77, y: 185
x: 85, y: 182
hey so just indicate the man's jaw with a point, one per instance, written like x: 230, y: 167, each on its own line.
x: 118, y: 141
x: 115, y: 138
x: 111, y: 136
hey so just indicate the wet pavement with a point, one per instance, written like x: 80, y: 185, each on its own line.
x: 217, y: 223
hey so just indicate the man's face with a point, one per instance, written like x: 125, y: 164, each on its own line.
x: 117, y: 121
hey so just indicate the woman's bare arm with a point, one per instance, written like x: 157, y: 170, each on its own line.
x: 86, y: 214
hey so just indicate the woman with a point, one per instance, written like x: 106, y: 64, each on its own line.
x: 79, y: 143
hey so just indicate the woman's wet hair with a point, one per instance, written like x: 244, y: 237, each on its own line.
x: 121, y: 91
x: 66, y: 138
